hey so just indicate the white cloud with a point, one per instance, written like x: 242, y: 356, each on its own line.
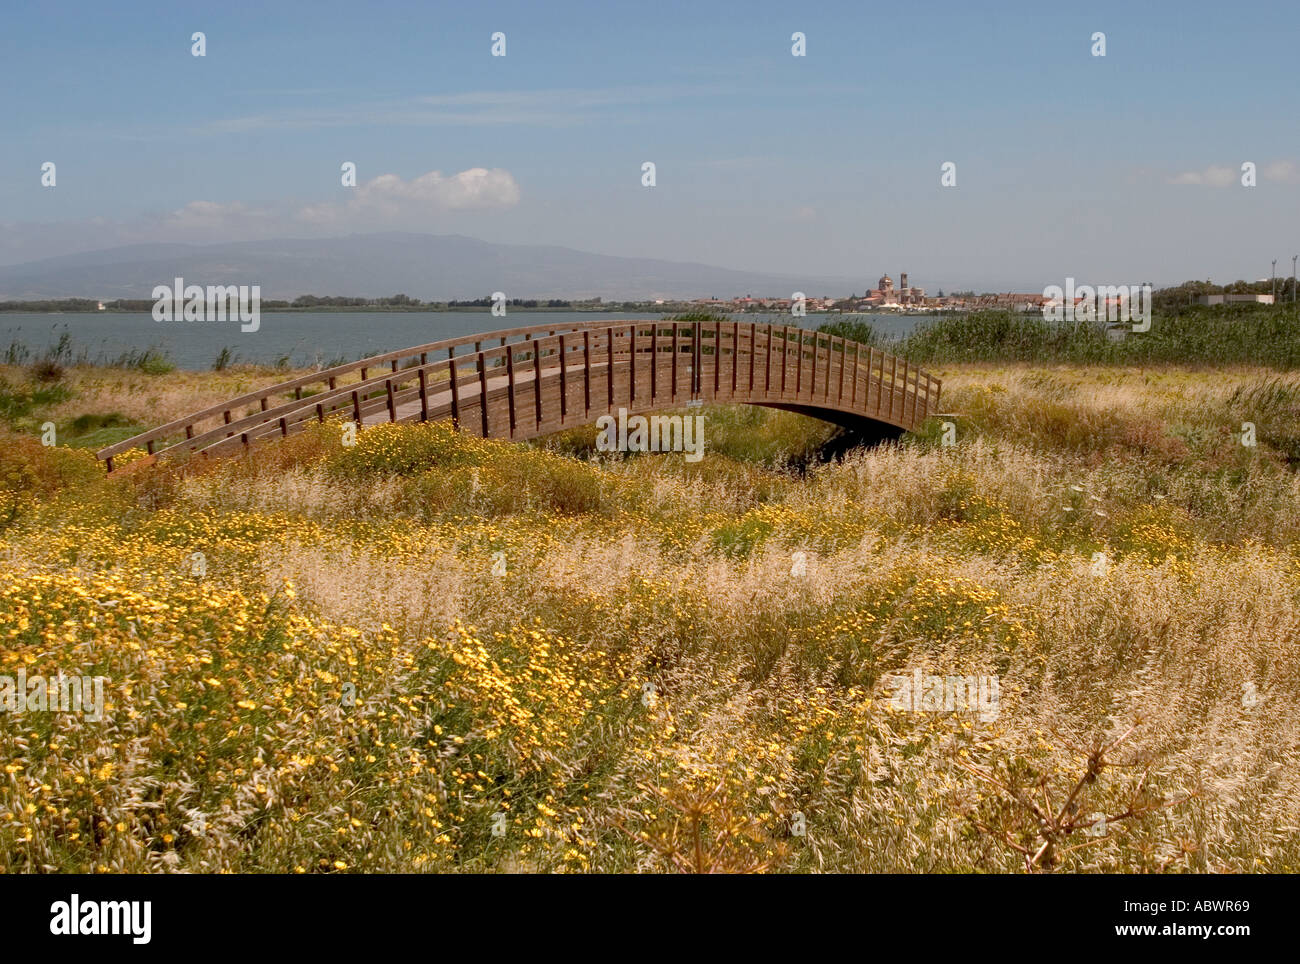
x: 1287, y: 172
x: 1213, y: 176
x: 388, y: 197
x: 1220, y: 175
x: 208, y: 215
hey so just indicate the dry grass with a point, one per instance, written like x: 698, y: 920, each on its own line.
x: 653, y: 683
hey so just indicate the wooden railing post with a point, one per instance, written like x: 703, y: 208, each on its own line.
x: 564, y: 381
x: 631, y: 355
x: 654, y: 362
x: 482, y: 390
x: 817, y: 354
x: 672, y: 394
x: 844, y: 357
x: 857, y: 362
x: 453, y: 378
x: 392, y: 405
x: 902, y: 405
x: 908, y: 394
x: 735, y: 345
x: 537, y: 380
x: 798, y: 372
x: 893, y: 384
x: 717, y: 356
x: 609, y: 333
x: 753, y: 348
x: 510, y: 384
x: 697, y: 362
x: 785, y: 350
x: 586, y: 373
x: 767, y: 371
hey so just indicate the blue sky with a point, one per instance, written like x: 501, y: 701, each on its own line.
x: 1115, y: 169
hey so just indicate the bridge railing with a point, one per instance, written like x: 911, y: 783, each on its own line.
x: 313, y: 383
x: 524, y: 384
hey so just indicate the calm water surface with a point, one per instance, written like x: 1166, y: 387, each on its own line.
x: 308, y: 337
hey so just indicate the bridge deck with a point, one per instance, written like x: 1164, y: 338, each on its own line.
x: 542, y: 379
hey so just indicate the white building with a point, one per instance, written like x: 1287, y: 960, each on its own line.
x: 1232, y: 299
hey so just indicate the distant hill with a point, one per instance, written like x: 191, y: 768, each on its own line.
x: 425, y: 266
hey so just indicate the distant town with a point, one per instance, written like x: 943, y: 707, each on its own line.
x: 886, y: 297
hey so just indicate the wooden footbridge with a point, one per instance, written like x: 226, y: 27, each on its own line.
x: 521, y: 383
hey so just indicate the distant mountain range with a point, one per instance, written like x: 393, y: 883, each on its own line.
x: 424, y: 266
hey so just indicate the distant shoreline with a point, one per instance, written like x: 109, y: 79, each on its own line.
x: 436, y: 310
x: 366, y: 309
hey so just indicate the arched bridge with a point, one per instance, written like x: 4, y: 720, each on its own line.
x: 521, y: 383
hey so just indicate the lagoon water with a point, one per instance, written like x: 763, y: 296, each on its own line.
x: 313, y: 337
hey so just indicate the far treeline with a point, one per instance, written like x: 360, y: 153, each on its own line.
x: 1184, y: 294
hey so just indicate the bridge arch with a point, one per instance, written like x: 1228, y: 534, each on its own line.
x: 521, y: 383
